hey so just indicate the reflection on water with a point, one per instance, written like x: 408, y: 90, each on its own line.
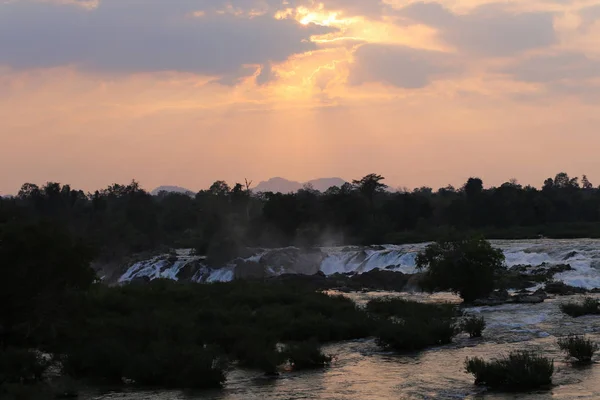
x: 361, y: 371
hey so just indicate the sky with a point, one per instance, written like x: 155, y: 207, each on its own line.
x: 186, y: 92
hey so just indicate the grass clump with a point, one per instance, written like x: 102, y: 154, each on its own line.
x: 579, y: 348
x: 589, y: 306
x: 520, y: 370
x: 412, y: 326
x: 306, y: 355
x: 473, y: 325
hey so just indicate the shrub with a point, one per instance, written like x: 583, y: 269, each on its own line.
x: 578, y: 347
x: 473, y: 325
x: 256, y: 353
x: 414, y: 335
x: 588, y: 306
x: 167, y: 365
x: 520, y: 370
x: 21, y: 366
x: 468, y: 267
x: 411, y: 326
x: 306, y: 355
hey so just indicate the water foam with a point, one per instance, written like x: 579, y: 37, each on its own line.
x: 583, y: 256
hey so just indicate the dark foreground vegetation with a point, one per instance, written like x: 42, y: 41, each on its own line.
x: 222, y: 221
x: 521, y: 370
x: 56, y: 315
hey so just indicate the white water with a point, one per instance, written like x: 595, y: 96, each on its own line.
x: 582, y: 254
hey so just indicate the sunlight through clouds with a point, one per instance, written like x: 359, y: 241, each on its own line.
x: 322, y: 73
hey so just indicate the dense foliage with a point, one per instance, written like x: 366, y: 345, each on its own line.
x: 468, y: 267
x: 410, y: 326
x: 219, y: 221
x: 578, y: 347
x: 519, y: 370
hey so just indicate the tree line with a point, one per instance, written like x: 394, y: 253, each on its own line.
x: 122, y: 219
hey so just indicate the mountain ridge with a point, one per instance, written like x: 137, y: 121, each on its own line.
x: 275, y: 185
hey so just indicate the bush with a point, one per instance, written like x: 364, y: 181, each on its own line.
x: 588, y: 306
x: 21, y: 366
x: 171, y: 366
x: 473, y: 325
x: 306, y: 355
x: 412, y: 326
x: 415, y: 335
x: 468, y: 267
x: 258, y: 353
x: 578, y: 347
x: 521, y: 370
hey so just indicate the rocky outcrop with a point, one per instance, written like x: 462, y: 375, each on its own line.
x: 562, y: 289
x: 186, y: 273
x: 249, y: 270
x: 524, y: 276
x: 292, y: 260
x: 380, y: 279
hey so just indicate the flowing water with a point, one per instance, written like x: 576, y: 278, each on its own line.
x: 582, y: 254
x: 361, y: 371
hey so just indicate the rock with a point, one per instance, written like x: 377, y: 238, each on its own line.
x: 496, y: 298
x: 488, y: 302
x: 249, y: 270
x: 188, y: 271
x: 500, y: 294
x: 570, y: 255
x: 527, y: 299
x: 294, y: 261
x: 541, y: 293
x: 380, y: 279
x: 562, y: 289
x: 413, y: 284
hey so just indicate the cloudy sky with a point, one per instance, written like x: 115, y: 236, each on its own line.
x: 185, y: 92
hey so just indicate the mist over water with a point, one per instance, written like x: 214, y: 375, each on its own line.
x: 582, y: 254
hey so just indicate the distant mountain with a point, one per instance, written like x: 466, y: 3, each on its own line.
x: 172, y: 189
x: 282, y: 185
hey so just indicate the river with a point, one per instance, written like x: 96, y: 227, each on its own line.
x: 362, y: 371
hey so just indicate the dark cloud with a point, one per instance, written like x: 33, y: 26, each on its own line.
x: 399, y: 66
x: 266, y: 75
x: 554, y: 67
x: 589, y: 16
x: 125, y: 36
x: 489, y: 30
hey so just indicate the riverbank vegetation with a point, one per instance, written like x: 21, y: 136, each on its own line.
x: 222, y: 221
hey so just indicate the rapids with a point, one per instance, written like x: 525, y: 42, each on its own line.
x: 582, y: 254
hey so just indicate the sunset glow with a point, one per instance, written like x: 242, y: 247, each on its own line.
x: 188, y: 92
